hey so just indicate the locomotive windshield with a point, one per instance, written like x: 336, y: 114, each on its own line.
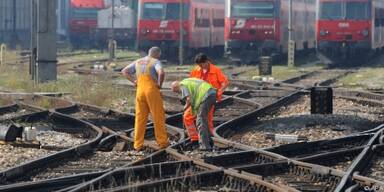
x: 357, y: 10
x: 349, y: 10
x: 253, y: 9
x: 331, y: 10
x: 84, y: 13
x: 164, y: 11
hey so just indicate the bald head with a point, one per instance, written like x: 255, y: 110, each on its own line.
x: 175, y: 86
x: 154, y: 52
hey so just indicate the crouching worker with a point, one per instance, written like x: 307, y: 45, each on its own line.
x: 200, y: 96
x: 148, y: 81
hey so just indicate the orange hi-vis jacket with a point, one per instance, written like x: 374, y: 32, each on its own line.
x: 216, y: 78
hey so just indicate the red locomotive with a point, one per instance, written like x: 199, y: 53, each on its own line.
x: 349, y: 28
x: 203, y: 26
x: 255, y: 28
x: 83, y: 20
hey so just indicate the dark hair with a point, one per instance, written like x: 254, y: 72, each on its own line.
x: 201, y: 58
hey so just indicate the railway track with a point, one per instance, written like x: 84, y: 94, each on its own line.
x: 231, y: 108
x: 290, y: 115
x: 101, y: 117
x: 57, y: 135
x: 14, y: 110
x: 76, y: 167
x: 263, y: 97
x: 322, y: 78
x: 354, y: 106
x: 168, y: 170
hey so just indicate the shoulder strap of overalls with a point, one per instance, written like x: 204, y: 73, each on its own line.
x: 138, y: 67
x: 150, y: 63
x: 148, y: 66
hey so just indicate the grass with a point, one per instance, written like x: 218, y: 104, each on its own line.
x: 281, y: 72
x: 366, y: 78
x: 99, y: 55
x: 95, y: 90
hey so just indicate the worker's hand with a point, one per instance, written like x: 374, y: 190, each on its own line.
x: 135, y: 83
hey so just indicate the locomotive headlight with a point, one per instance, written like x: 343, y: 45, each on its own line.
x: 365, y: 32
x: 145, y: 31
x: 323, y: 32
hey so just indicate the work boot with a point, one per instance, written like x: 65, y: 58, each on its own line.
x: 163, y: 146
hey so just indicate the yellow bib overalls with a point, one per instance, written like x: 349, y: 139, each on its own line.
x: 148, y: 100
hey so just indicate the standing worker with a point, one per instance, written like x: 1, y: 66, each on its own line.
x: 200, y: 96
x: 213, y: 75
x: 149, y: 79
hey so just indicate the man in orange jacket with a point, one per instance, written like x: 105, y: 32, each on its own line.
x: 208, y: 72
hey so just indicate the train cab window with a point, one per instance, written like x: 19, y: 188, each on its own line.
x: 331, y: 10
x: 84, y: 13
x: 253, y: 9
x: 153, y: 10
x: 357, y: 10
x: 173, y: 11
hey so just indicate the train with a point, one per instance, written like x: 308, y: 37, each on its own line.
x: 124, y: 28
x: 202, y: 26
x: 82, y: 21
x: 15, y: 22
x: 255, y: 28
x: 90, y: 23
x: 349, y: 29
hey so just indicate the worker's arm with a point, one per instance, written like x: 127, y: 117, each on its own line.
x: 185, y: 97
x: 223, y: 81
x: 187, y: 103
x: 128, y: 72
x: 224, y: 85
x: 161, y: 73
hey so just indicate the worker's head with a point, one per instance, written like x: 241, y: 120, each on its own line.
x: 202, y: 60
x: 154, y: 52
x: 176, y: 87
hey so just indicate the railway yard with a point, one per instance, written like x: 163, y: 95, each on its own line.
x: 266, y: 137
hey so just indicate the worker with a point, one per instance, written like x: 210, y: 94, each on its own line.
x: 208, y: 72
x: 149, y: 79
x: 200, y: 96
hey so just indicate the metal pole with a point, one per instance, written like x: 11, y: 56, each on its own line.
x: 33, y: 43
x: 181, y: 34
x: 3, y: 48
x: 112, y: 43
x: 14, y: 39
x: 291, y: 43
